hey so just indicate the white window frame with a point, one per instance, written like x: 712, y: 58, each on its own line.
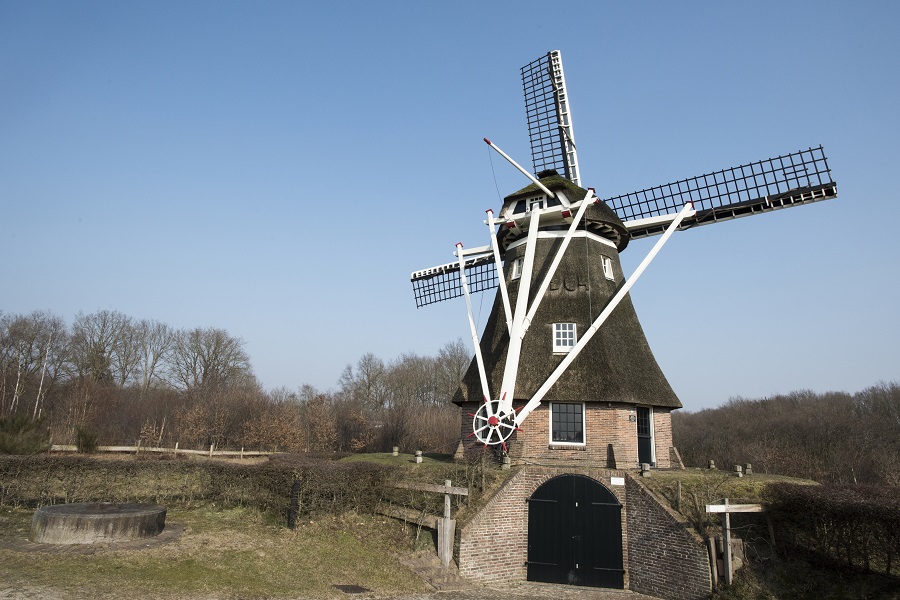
x: 607, y: 268
x: 561, y: 333
x: 652, y: 428
x: 518, y: 264
x: 583, y: 426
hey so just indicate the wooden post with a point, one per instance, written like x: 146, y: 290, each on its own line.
x: 176, y: 449
x: 447, y: 499
x: 446, y: 533
x: 211, y: 450
x: 446, y: 529
x: 295, y: 504
x: 728, y: 567
x: 713, y: 561
x: 729, y: 571
x: 771, y: 531
x: 678, y: 495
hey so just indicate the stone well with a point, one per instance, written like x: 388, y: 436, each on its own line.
x: 96, y: 522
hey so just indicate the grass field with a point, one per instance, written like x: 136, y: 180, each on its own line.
x: 221, y: 553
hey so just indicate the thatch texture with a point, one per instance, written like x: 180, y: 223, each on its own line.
x: 617, y: 364
x: 599, y: 218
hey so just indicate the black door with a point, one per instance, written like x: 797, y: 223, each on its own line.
x: 575, y: 533
x: 644, y: 436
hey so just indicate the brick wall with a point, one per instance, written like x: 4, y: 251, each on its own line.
x: 493, y: 546
x: 662, y: 555
x: 662, y: 436
x: 610, y: 437
x: 666, y: 558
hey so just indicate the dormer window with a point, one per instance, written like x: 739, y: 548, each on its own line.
x: 563, y: 337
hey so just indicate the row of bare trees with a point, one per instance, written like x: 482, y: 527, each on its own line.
x: 831, y: 437
x: 123, y: 380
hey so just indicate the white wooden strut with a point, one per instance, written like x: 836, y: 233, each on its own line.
x: 496, y: 249
x: 478, y: 358
x: 535, y: 401
x: 521, y: 322
x: 508, y: 384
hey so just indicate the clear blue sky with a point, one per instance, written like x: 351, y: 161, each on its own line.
x: 278, y: 169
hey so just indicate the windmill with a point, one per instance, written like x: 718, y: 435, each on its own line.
x: 562, y: 324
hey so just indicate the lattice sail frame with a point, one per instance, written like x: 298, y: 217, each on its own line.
x: 549, y: 118
x: 443, y: 282
x: 789, y: 180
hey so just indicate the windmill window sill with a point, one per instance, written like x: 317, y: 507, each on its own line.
x: 581, y: 447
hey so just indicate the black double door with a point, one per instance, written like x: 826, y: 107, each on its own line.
x: 575, y: 534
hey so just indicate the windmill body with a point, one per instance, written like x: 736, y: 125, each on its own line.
x: 563, y: 338
x: 563, y: 381
x: 591, y: 411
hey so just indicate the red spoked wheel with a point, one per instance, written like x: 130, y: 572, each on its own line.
x: 493, y: 426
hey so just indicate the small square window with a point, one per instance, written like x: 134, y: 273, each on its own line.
x: 607, y: 267
x: 563, y: 337
x: 517, y: 267
x: 567, y: 423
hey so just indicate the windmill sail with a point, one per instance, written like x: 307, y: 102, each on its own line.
x: 549, y: 119
x: 790, y: 180
x: 443, y: 283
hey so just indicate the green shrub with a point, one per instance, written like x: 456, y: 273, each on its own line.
x: 85, y: 441
x: 19, y: 434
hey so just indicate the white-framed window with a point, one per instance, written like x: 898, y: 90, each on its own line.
x: 564, y: 336
x: 567, y: 423
x: 607, y: 267
x: 536, y: 204
x: 517, y: 266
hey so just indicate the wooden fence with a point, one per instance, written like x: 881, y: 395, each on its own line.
x: 212, y: 452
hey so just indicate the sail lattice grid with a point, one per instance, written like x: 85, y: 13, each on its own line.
x: 797, y: 178
x: 547, y: 113
x: 443, y: 283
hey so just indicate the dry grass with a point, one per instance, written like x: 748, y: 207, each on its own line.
x: 700, y: 487
x: 222, y: 553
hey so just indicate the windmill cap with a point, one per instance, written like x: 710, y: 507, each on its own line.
x: 600, y: 218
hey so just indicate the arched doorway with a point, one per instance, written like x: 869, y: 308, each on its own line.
x: 575, y: 533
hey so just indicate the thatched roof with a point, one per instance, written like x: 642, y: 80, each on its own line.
x: 617, y: 365
x: 599, y: 218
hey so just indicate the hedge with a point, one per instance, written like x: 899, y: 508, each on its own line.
x: 325, y: 486
x: 855, y: 525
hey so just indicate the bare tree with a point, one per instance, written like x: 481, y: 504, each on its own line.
x: 30, y: 356
x: 452, y: 361
x: 207, y: 359
x: 156, y: 341
x: 321, y: 423
x: 95, y: 338
x: 126, y: 352
x: 367, y: 384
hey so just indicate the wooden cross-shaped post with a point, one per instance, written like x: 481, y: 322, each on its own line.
x: 446, y: 527
x: 728, y: 509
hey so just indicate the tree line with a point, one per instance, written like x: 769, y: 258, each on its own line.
x: 832, y: 437
x: 118, y: 380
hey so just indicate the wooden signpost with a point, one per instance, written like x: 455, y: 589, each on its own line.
x: 728, y: 508
x: 446, y: 527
